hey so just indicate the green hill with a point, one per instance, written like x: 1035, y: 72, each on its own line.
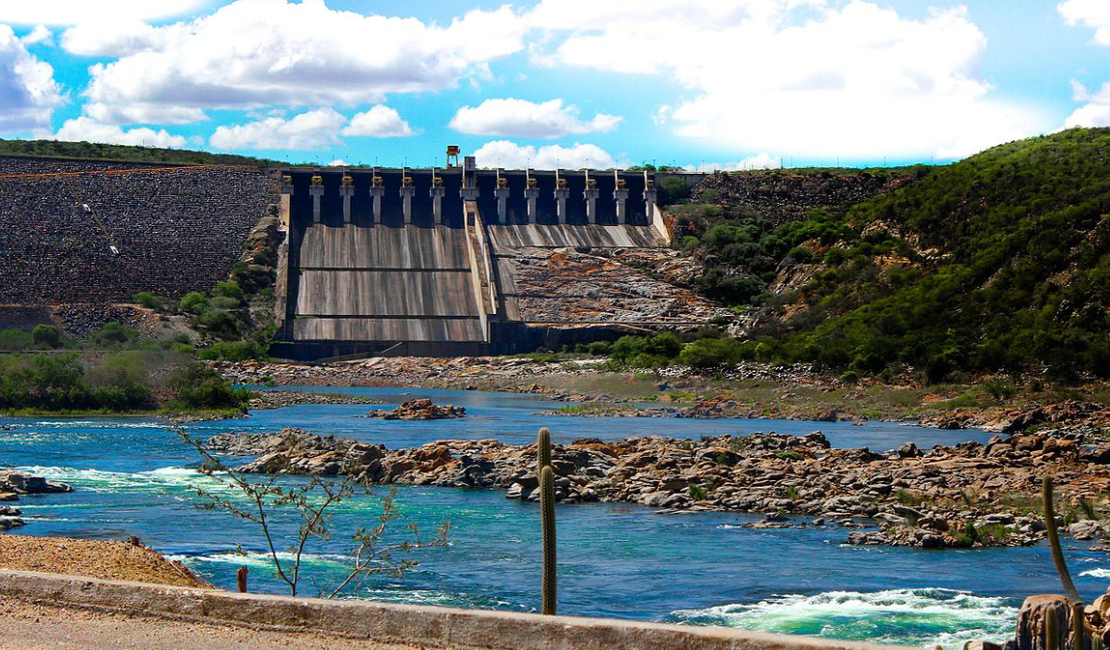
x: 999, y: 262
x: 124, y: 153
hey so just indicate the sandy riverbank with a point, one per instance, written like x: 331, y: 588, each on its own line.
x: 107, y: 560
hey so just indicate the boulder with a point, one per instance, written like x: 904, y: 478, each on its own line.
x: 419, y: 409
x: 1031, y: 618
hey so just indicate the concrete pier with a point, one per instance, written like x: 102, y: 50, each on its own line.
x: 347, y: 191
x: 316, y: 190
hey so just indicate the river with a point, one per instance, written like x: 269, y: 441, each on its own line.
x: 132, y: 476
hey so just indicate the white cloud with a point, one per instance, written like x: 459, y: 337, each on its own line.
x: 114, y: 37
x: 84, y: 129
x: 380, y: 122
x: 759, y: 161
x: 1094, y: 14
x: 316, y: 129
x: 1096, y: 112
x: 254, y: 53
x: 338, y: 162
x: 798, y: 77
x: 522, y: 118
x: 71, y: 12
x: 39, y: 35
x: 27, y: 87
x: 503, y: 153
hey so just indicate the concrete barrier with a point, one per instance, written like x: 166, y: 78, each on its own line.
x: 438, y: 627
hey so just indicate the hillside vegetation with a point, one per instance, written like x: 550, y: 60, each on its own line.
x: 999, y: 262
x: 124, y: 153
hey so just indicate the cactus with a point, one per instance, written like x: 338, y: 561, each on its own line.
x: 546, y: 476
x: 1079, y: 626
x: 547, y: 509
x: 1054, y: 543
x: 1051, y: 630
x: 543, y: 449
x: 1078, y: 618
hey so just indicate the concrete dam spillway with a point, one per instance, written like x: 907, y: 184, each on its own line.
x: 465, y: 260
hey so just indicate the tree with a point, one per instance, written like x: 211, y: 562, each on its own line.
x: 314, y: 501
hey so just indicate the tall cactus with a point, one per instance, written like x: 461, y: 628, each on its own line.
x: 1078, y: 618
x: 547, y: 516
x: 1054, y: 542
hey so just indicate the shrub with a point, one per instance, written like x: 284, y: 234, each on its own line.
x: 229, y: 289
x: 225, y: 303
x: 801, y: 254
x: 193, y: 302
x: 149, y: 300
x: 219, y: 323
x: 114, y: 335
x: 711, y: 353
x: 46, y: 336
x: 201, y: 387
x: 598, y: 348
x: 233, y: 351
x: 14, y: 340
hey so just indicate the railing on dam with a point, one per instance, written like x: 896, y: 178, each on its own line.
x: 427, y: 197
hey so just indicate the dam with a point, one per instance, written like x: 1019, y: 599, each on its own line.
x: 461, y: 260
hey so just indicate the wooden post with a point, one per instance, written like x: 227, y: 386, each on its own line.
x: 241, y: 578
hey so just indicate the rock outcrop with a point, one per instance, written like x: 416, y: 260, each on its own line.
x: 419, y: 409
x: 966, y: 495
x: 14, y: 483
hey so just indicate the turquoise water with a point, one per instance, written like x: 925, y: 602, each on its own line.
x: 132, y: 477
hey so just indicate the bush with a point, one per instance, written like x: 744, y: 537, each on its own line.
x: 149, y: 300
x: 193, y: 302
x: 225, y: 303
x: 229, y: 289
x: 46, y: 336
x: 200, y: 387
x: 647, y: 351
x: 711, y: 353
x: 218, y: 323
x: 113, y: 335
x: 801, y: 254
x: 14, y: 340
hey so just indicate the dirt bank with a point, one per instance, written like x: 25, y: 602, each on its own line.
x: 102, y: 559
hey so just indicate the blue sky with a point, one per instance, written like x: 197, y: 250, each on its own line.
x: 569, y: 83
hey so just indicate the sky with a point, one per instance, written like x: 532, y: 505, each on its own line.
x: 703, y: 84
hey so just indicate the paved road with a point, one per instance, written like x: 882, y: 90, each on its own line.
x: 34, y: 627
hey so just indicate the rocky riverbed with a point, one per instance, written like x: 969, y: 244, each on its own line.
x: 517, y: 374
x: 968, y: 495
